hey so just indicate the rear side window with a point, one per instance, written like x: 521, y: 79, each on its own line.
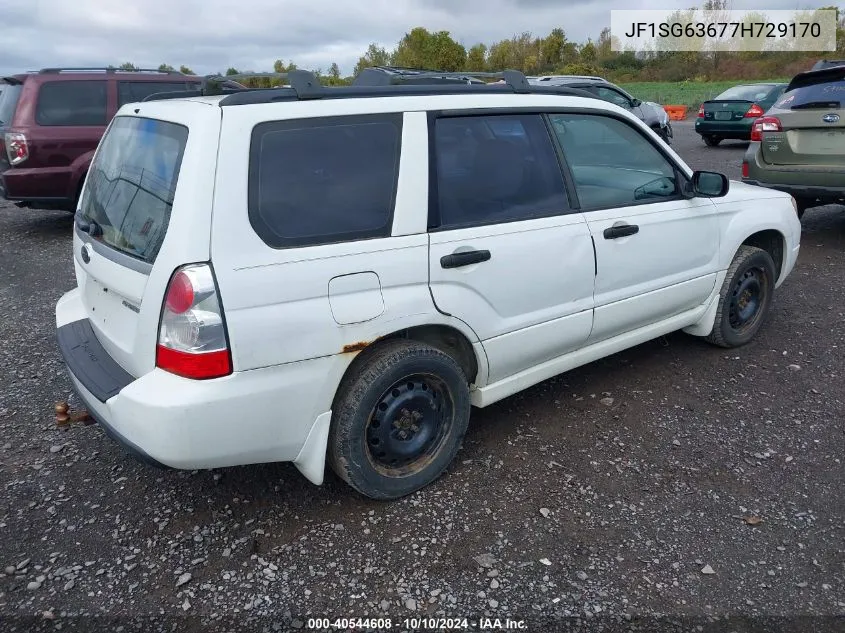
x: 8, y: 102
x: 492, y: 169
x: 133, y: 91
x: 828, y: 94
x: 318, y: 181
x: 131, y: 183
x: 72, y: 103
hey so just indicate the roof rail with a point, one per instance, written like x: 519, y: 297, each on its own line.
x: 396, y: 75
x: 106, y: 69
x: 304, y: 83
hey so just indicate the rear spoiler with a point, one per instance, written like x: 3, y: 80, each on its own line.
x: 812, y: 77
x: 12, y: 81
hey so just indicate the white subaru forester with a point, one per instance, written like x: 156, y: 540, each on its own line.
x: 314, y: 274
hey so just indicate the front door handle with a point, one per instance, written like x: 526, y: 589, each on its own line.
x: 456, y: 260
x: 622, y: 230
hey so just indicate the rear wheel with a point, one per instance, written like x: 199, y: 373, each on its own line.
x: 398, y: 419
x: 711, y: 140
x: 745, y: 298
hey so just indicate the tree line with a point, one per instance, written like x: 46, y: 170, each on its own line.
x: 555, y: 53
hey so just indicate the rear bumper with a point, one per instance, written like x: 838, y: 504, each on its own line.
x: 803, y: 191
x: 740, y: 130
x: 256, y: 416
x: 798, y: 181
x: 48, y: 186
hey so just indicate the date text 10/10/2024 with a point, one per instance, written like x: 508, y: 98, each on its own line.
x: 416, y: 624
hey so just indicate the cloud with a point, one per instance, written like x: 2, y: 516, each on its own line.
x: 213, y: 35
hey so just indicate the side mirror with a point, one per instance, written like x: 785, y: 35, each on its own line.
x: 710, y: 184
x: 636, y: 103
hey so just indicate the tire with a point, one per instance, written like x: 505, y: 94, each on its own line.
x: 663, y: 134
x: 803, y: 205
x: 423, y: 395
x: 749, y: 283
x: 711, y: 141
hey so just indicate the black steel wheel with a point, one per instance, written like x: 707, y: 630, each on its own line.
x: 398, y: 419
x: 745, y: 298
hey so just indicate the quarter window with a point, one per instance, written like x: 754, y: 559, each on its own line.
x: 612, y: 163
x: 317, y: 181
x: 72, y: 103
x: 493, y: 169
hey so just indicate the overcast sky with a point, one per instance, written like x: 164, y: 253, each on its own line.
x: 212, y: 35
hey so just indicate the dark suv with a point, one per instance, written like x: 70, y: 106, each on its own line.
x: 52, y: 120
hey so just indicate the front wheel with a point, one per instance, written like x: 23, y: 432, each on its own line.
x: 711, y: 141
x: 398, y: 419
x: 745, y: 298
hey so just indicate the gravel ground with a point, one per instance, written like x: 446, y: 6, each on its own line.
x: 662, y: 488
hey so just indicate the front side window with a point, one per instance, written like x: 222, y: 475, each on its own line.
x: 497, y: 168
x: 324, y: 180
x: 131, y: 183
x: 608, y: 94
x: 612, y: 163
x: 134, y: 91
x: 72, y: 103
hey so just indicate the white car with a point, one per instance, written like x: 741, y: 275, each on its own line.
x: 337, y: 275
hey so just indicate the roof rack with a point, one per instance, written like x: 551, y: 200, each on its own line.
x: 305, y: 85
x: 106, y: 69
x: 394, y: 75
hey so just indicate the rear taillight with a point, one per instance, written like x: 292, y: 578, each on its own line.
x: 755, y: 111
x: 764, y: 124
x: 192, y: 338
x: 16, y: 147
x: 745, y: 170
x: 701, y: 111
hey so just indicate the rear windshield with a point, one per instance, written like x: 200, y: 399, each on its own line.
x: 9, y: 95
x: 130, y: 187
x: 823, y: 95
x: 745, y: 93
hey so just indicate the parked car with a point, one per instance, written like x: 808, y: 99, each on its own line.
x: 52, y: 120
x: 652, y: 114
x: 828, y: 63
x: 799, y: 146
x: 335, y: 275
x: 731, y: 114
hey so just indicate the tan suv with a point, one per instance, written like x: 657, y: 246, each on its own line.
x: 798, y: 146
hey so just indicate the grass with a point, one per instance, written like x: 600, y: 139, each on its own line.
x: 688, y: 93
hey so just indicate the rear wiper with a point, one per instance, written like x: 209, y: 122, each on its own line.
x: 88, y: 226
x: 815, y: 104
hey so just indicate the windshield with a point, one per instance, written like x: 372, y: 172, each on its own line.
x: 745, y: 93
x: 129, y: 192
x: 822, y: 95
x: 8, y: 102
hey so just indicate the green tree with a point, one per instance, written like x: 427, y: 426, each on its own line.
x: 185, y: 70
x: 375, y: 56
x: 166, y: 68
x: 334, y: 71
x: 437, y: 51
x: 477, y: 58
x: 232, y: 71
x: 128, y: 66
x: 588, y: 52
x: 551, y: 49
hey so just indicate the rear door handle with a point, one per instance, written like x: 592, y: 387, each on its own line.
x: 456, y: 260
x: 623, y: 230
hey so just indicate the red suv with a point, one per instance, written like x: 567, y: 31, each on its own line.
x: 51, y: 122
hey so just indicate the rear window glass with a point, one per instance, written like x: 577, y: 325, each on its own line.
x: 131, y: 183
x: 745, y: 93
x: 133, y: 91
x: 9, y: 95
x: 317, y: 181
x: 824, y: 95
x: 72, y: 103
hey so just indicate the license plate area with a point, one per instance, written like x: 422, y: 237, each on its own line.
x: 723, y: 115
